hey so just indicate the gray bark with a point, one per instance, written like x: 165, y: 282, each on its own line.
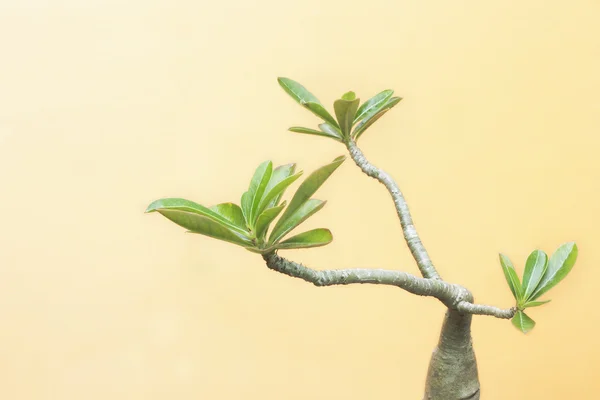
x: 453, y: 296
x: 408, y: 227
x: 452, y: 371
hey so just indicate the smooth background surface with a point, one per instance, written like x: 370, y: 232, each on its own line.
x: 108, y: 105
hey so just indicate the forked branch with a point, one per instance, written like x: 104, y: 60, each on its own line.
x: 453, y: 296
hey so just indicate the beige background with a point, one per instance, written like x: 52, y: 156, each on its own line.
x: 107, y: 105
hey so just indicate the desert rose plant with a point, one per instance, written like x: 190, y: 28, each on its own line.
x: 262, y: 224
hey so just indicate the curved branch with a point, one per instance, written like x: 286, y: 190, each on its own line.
x: 453, y: 296
x: 408, y: 228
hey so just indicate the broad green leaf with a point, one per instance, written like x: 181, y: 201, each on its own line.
x: 535, y: 267
x: 511, y: 277
x: 391, y: 103
x: 349, y: 96
x: 265, y: 219
x: 197, y: 223
x: 278, y: 175
x: 231, y: 212
x: 307, y: 209
x: 246, y: 203
x: 373, y: 116
x: 373, y: 105
x: 321, y: 112
x: 345, y: 111
x: 297, y: 91
x: 366, y: 123
x: 305, y: 98
x: 178, y: 204
x: 530, y: 304
x: 256, y: 250
x: 259, y: 182
x: 313, y: 238
x: 559, y: 265
x: 331, y: 130
x: 522, y: 322
x: 308, y: 188
x: 299, y: 129
x: 276, y: 191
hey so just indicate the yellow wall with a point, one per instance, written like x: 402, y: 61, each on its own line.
x: 107, y: 105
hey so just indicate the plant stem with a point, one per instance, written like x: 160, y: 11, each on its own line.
x: 408, y: 228
x: 453, y: 296
x: 452, y: 373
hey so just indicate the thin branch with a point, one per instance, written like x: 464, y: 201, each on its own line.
x: 408, y: 228
x: 482, y: 309
x: 453, y: 296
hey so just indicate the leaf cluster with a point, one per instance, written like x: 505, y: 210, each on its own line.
x: 248, y: 224
x: 541, y: 274
x: 352, y: 118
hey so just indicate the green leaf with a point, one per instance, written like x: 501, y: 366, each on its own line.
x: 331, y: 130
x: 197, y: 223
x: 522, y: 322
x: 308, y: 188
x: 391, y: 103
x: 184, y: 205
x: 313, y: 238
x: 373, y: 116
x: 321, y: 112
x: 373, y: 105
x: 345, y: 111
x: 256, y: 250
x: 246, y: 203
x: 297, y: 91
x: 511, y: 277
x: 276, y: 191
x: 366, y: 123
x: 530, y: 304
x: 259, y: 182
x: 349, y: 96
x: 535, y: 267
x: 301, y: 214
x: 265, y: 219
x: 279, y: 174
x: 559, y: 265
x: 305, y: 98
x: 299, y: 129
x: 231, y: 212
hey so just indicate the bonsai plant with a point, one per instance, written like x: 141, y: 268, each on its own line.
x: 262, y: 224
